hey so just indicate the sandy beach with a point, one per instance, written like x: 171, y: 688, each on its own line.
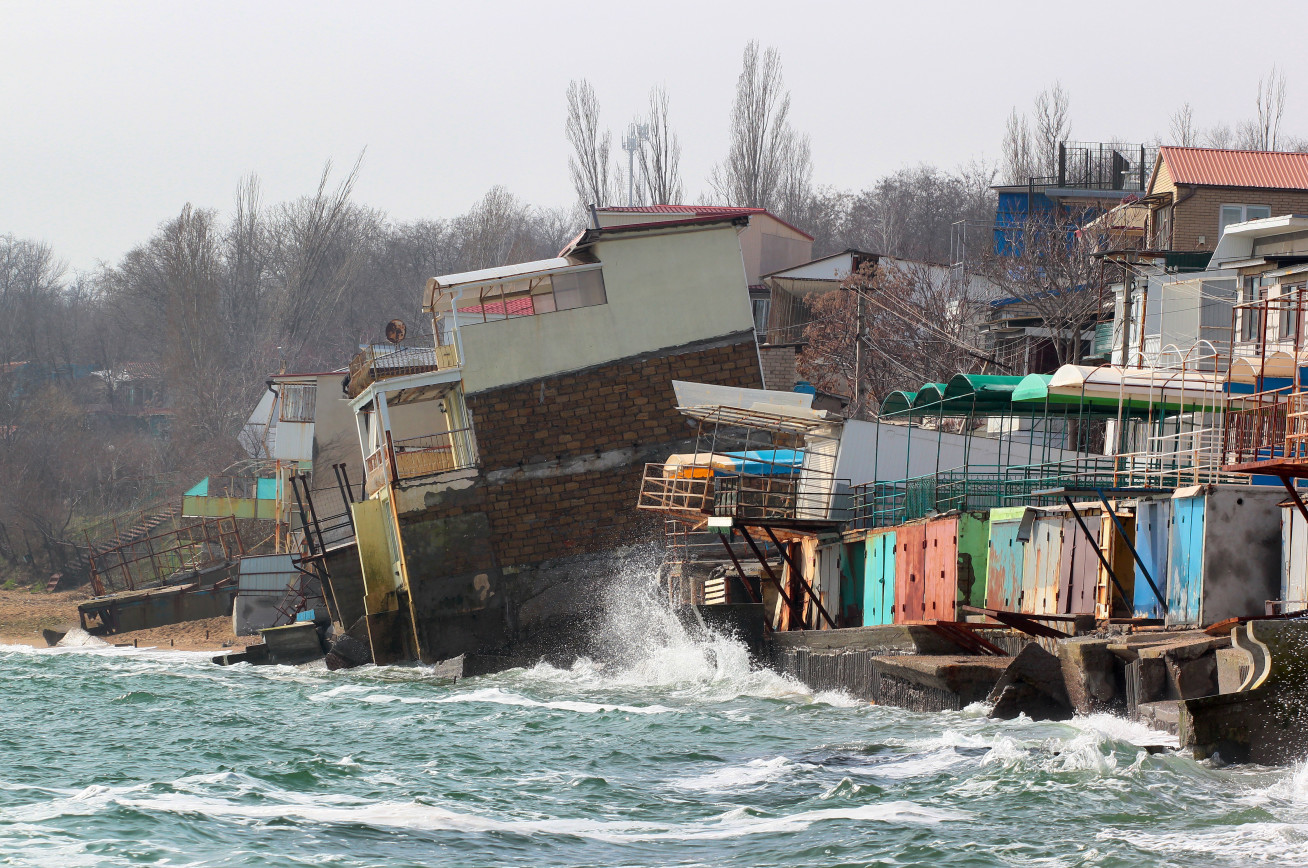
x: 24, y: 614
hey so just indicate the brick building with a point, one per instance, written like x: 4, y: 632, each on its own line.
x: 499, y: 509
x: 1195, y: 193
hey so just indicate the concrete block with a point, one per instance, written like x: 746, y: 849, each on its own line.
x: 1090, y: 674
x: 1233, y: 667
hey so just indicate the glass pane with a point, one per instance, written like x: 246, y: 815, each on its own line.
x: 1230, y: 214
x: 579, y: 289
x: 1257, y: 212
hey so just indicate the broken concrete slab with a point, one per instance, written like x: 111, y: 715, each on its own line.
x: 1032, y: 684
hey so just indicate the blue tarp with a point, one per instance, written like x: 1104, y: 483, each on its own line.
x: 767, y: 462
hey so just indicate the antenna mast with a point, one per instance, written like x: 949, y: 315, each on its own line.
x: 637, y: 134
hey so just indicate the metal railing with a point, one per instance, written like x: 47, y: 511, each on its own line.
x: 1101, y: 166
x: 371, y: 364
x: 666, y: 490
x: 890, y: 503
x: 417, y: 457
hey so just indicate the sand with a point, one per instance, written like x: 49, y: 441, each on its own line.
x: 24, y: 614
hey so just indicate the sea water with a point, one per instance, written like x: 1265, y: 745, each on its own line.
x: 664, y: 747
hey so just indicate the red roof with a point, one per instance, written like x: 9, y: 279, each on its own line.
x: 1214, y: 167
x: 703, y: 211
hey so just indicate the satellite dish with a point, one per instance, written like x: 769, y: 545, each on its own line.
x: 395, y: 331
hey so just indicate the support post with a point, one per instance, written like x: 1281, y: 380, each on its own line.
x: 744, y: 580
x: 1294, y: 493
x: 799, y: 574
x: 767, y: 568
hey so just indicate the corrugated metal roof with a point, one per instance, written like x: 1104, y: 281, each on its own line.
x: 1213, y: 167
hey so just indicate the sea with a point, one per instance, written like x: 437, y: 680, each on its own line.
x: 664, y: 746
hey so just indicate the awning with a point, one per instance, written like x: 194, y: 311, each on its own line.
x: 1106, y: 389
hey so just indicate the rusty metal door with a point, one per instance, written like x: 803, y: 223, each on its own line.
x: 941, y: 568
x: 1081, y: 565
x: 1004, y: 566
x: 910, y: 596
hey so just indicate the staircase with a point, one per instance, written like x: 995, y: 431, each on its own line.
x: 132, y: 530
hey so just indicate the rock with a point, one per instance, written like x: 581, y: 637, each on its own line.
x: 1033, y: 685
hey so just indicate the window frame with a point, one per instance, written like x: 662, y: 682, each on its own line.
x: 1244, y: 215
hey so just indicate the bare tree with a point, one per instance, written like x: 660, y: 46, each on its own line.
x: 1219, y: 135
x: 1052, y: 126
x: 1019, y: 161
x: 1182, y: 127
x: 660, y: 153
x: 1048, y: 267
x: 1271, y: 107
x: 916, y: 328
x: 767, y: 158
x: 590, y: 161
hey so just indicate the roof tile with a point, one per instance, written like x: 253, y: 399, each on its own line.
x: 1213, y: 167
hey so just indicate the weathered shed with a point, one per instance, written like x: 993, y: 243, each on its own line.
x: 1153, y: 522
x: 954, y: 564
x: 1225, y: 553
x: 1010, y: 533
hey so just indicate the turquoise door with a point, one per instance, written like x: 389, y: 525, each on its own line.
x: 879, y: 580
x: 1185, y: 567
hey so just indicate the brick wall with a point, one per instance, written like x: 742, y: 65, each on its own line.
x: 779, y: 367
x: 530, y: 519
x: 1201, y: 213
x: 610, y: 407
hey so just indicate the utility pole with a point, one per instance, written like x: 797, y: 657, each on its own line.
x: 858, y: 350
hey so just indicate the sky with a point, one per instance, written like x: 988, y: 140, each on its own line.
x: 113, y: 116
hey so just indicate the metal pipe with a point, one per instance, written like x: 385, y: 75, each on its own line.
x: 1131, y: 546
x: 1095, y: 545
x: 798, y: 573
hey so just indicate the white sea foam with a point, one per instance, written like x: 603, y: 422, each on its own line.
x: 750, y: 774
x: 411, y: 815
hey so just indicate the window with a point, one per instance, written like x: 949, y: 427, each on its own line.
x: 1162, y: 239
x: 578, y: 289
x: 1291, y: 303
x: 298, y: 403
x: 761, y: 306
x: 542, y: 294
x: 1251, y: 319
x: 1242, y: 214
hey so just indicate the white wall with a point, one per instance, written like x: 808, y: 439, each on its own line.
x: 663, y: 291
x: 897, y: 454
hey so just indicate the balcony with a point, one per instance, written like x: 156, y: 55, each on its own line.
x: 382, y: 362
x: 415, y: 458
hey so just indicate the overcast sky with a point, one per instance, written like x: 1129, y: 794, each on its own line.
x: 115, y: 115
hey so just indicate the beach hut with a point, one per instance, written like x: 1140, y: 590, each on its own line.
x: 954, y: 564
x: 910, y: 572
x: 1153, y: 522
x: 1294, y: 559
x: 1224, y: 557
x: 1009, y: 532
x: 879, y: 577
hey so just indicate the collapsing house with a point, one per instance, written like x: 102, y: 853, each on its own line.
x: 500, y: 462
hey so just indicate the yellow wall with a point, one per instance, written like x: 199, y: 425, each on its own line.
x: 663, y: 291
